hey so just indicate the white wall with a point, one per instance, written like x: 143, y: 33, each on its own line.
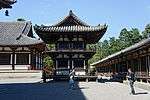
x: 22, y: 67
x: 5, y: 67
x: 80, y: 73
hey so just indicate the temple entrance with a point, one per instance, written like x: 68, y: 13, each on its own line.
x: 62, y: 63
x: 78, y: 63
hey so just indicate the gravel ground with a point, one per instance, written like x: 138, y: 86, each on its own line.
x: 33, y: 89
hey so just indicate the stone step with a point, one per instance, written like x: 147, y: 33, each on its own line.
x: 20, y: 74
x: 20, y: 71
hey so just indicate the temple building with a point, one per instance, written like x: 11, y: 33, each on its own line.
x: 136, y: 57
x: 19, y: 49
x: 70, y: 37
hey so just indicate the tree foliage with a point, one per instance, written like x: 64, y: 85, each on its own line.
x: 126, y: 38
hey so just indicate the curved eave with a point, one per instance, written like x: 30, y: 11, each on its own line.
x: 63, y: 29
x: 92, y: 33
x: 21, y: 41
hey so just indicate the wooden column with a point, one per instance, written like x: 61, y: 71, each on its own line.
x: 13, y: 58
x: 84, y: 64
x: 72, y: 64
x: 33, y: 59
x: 148, y: 65
x: 56, y: 64
x: 139, y: 64
x: 68, y: 64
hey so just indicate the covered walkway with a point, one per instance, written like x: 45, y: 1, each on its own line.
x: 136, y: 57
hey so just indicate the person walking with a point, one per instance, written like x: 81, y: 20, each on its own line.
x: 131, y: 78
x: 71, y: 80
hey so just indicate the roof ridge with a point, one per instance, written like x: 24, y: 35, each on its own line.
x: 74, y: 16
x: 15, y: 21
x: 26, y: 28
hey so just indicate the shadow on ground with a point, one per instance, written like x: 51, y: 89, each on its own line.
x: 41, y: 91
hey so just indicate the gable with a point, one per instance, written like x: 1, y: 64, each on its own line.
x: 71, y: 20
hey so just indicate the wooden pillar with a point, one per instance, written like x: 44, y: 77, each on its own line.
x: 140, y: 65
x: 29, y: 59
x: 56, y: 64
x: 115, y: 68
x: 33, y: 59
x: 72, y: 64
x: 148, y: 65
x: 13, y: 60
x: 40, y: 61
x: 127, y: 64
x: 68, y: 64
x: 84, y: 64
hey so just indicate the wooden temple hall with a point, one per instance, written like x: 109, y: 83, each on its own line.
x: 19, y: 49
x: 136, y: 57
x: 70, y: 37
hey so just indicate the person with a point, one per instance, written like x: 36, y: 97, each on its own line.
x: 71, y: 80
x: 131, y: 78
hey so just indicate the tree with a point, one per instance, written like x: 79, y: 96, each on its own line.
x: 105, y: 48
x: 136, y: 36
x: 125, y: 38
x: 114, y: 45
x: 146, y: 32
x: 48, y: 62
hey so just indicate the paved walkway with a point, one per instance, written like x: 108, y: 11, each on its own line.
x: 33, y: 89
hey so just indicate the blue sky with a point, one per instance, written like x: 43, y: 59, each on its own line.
x: 117, y: 14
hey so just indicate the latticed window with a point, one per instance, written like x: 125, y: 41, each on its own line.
x: 63, y: 45
x: 78, y: 45
x: 5, y: 58
x: 22, y: 58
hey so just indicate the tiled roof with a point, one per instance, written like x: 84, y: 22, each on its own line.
x: 75, y: 18
x: 6, y: 3
x: 15, y: 33
x: 70, y: 28
x: 133, y: 47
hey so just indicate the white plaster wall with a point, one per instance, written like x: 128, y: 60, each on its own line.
x: 7, y: 48
x: 26, y: 48
x: 80, y: 73
x: 20, y: 48
x: 5, y: 67
x: 1, y: 48
x: 22, y: 67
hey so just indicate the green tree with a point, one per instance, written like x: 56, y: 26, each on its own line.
x: 125, y: 38
x: 136, y: 36
x: 114, y: 45
x: 146, y: 32
x: 48, y: 62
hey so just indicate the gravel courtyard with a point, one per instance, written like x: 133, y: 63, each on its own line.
x: 33, y: 89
